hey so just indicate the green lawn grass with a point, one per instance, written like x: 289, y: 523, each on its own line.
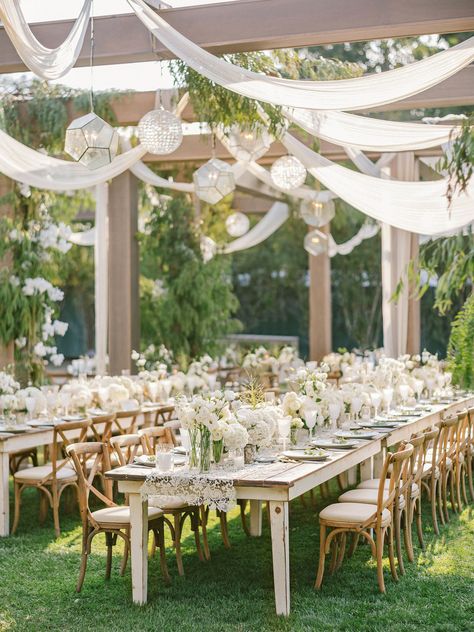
x: 234, y: 591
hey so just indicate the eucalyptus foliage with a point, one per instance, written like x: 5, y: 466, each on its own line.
x: 458, y: 161
x: 461, y: 345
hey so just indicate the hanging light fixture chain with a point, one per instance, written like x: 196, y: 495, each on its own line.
x: 91, y: 93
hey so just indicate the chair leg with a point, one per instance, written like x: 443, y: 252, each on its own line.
x: 224, y: 530
x: 469, y: 476
x: 177, y: 543
x: 342, y: 551
x: 43, y: 512
x: 123, y: 563
x: 445, y: 496
x: 458, y: 502
x: 205, y: 541
x: 379, y: 548
x: 354, y: 543
x: 398, y: 539
x: 160, y: 537
x: 433, y: 500
x: 322, y: 557
x: 407, y: 533
x: 452, y: 490
x: 16, y: 518
x: 194, y: 517
x: 55, y: 501
x: 419, y: 525
x: 243, y: 516
x: 441, y: 496
x: 391, y: 554
x: 335, y: 549
x: 463, y: 485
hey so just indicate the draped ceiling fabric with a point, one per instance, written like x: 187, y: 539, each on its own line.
x: 47, y: 63
x: 419, y: 207
x: 366, y: 231
x: 369, y: 134
x: 271, y: 222
x: 398, y: 247
x: 360, y: 93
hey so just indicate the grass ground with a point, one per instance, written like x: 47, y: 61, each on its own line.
x: 234, y: 591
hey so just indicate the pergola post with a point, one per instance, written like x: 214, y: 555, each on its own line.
x: 6, y: 210
x: 320, y: 313
x: 124, y: 310
x: 401, y: 320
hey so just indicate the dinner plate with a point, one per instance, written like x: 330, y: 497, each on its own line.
x: 334, y: 445
x: 19, y: 428
x: 266, y: 459
x: 300, y: 455
x: 356, y: 434
x: 40, y: 423
x: 73, y: 417
x: 149, y: 460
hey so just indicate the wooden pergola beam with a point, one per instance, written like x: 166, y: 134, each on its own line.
x: 255, y: 25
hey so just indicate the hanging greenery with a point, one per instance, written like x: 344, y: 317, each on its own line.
x: 461, y: 346
x: 187, y: 303
x: 458, y: 160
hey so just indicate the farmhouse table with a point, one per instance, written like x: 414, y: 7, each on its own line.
x: 34, y: 438
x: 278, y: 486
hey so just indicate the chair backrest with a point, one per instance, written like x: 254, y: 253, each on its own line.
x: 417, y: 458
x: 81, y: 455
x: 126, y: 447
x: 447, y: 439
x: 62, y: 438
x: 164, y: 414
x: 150, y: 437
x: 101, y: 426
x: 398, y: 463
x: 125, y: 421
x: 463, y: 432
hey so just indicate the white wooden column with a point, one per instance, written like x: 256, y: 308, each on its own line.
x: 124, y: 309
x: 401, y: 320
x: 320, y: 313
x: 101, y: 261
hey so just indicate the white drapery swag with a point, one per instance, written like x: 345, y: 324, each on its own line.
x: 21, y: 163
x: 369, y: 134
x: 47, y: 63
x: 360, y: 93
x: 366, y: 231
x: 269, y: 224
x: 418, y: 207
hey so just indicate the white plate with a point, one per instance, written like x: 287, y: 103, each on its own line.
x: 15, y: 429
x: 334, y: 445
x: 149, y: 460
x: 300, y: 455
x: 357, y: 434
x: 73, y: 417
x: 40, y: 423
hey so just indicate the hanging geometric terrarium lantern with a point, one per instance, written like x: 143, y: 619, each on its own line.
x: 248, y: 144
x: 317, y: 213
x: 237, y: 224
x: 213, y: 181
x: 288, y: 173
x: 91, y: 141
x: 160, y: 132
x: 316, y: 243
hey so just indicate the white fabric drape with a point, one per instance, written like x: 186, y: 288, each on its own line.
x: 419, y: 207
x: 360, y: 93
x: 47, y: 63
x: 21, y: 163
x: 369, y: 134
x: 83, y: 238
x: 366, y: 231
x: 270, y: 223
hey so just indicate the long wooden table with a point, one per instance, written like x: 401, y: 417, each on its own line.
x: 285, y: 483
x: 33, y: 438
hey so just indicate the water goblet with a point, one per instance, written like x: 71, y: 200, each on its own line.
x: 310, y: 416
x: 376, y: 400
x: 404, y: 391
x: 284, y: 428
x: 387, y: 395
x: 334, y: 411
x: 164, y: 457
x: 356, y: 405
x: 30, y: 403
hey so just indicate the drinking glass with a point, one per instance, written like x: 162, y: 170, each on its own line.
x: 65, y: 399
x: 30, y: 403
x: 387, y: 394
x: 356, y: 405
x: 334, y: 412
x: 404, y: 391
x: 164, y: 457
x: 284, y: 427
x: 376, y: 400
x: 270, y: 397
x: 310, y: 417
x: 152, y: 390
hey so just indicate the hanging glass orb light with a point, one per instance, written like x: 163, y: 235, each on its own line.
x: 248, y: 144
x: 317, y: 213
x: 91, y: 141
x: 213, y: 181
x: 237, y: 224
x: 288, y: 173
x: 160, y: 132
x: 316, y: 243
x: 208, y: 248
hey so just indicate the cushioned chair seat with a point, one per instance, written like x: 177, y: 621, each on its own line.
x: 449, y: 462
x: 365, y: 496
x: 121, y: 514
x: 351, y: 513
x: 373, y: 483
x: 427, y: 467
x: 42, y: 471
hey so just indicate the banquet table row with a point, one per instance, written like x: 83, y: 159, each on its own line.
x: 277, y: 484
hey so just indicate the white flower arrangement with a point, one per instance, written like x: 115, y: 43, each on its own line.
x: 8, y: 384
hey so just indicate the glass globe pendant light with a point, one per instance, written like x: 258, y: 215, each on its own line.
x: 316, y: 213
x: 213, y: 181
x: 208, y: 248
x: 316, y: 243
x: 288, y: 173
x: 248, y: 144
x: 160, y: 132
x: 237, y: 224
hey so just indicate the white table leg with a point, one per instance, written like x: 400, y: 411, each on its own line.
x: 139, y: 547
x: 366, y: 469
x: 255, y: 518
x: 378, y: 460
x: 281, y: 556
x: 4, y: 494
x: 352, y: 476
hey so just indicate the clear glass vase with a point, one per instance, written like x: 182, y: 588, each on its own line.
x: 218, y: 451
x: 194, y: 437
x: 205, y: 449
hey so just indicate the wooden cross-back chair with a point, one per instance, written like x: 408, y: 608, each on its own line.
x: 360, y: 518
x: 52, y: 478
x: 101, y: 426
x: 164, y: 414
x: 470, y: 451
x: 113, y: 519
x: 125, y: 421
x: 153, y: 435
x: 446, y: 451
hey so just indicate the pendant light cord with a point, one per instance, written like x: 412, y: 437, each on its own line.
x: 91, y: 60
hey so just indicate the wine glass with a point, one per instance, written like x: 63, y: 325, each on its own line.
x: 152, y: 390
x: 310, y: 418
x: 334, y: 409
x: 430, y: 384
x: 404, y: 391
x: 376, y: 400
x: 65, y: 399
x: 419, y: 385
x: 387, y: 395
x: 356, y: 405
x: 284, y: 427
x: 30, y: 403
